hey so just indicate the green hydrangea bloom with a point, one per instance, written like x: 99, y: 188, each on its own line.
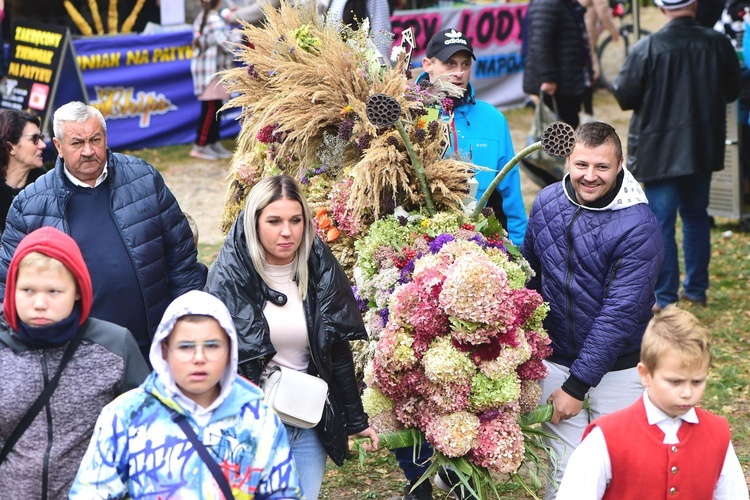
x: 487, y: 394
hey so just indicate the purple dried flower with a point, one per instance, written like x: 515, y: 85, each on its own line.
x: 432, y: 128
x: 251, y: 72
x: 477, y: 239
x: 346, y: 127
x: 304, y: 179
x: 425, y: 83
x: 320, y: 169
x: 392, y: 140
x: 406, y: 271
x: 364, y: 142
x: 447, y: 104
x: 387, y: 205
x: 420, y: 135
x: 409, y: 75
x: 361, y: 303
x: 403, y: 221
x: 440, y: 240
x: 384, y: 316
x: 487, y: 211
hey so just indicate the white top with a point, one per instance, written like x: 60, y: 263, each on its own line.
x: 287, y: 323
x: 589, y: 470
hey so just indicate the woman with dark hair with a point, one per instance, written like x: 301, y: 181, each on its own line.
x: 294, y: 308
x: 21, y: 146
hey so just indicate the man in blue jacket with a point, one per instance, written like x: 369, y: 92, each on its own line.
x: 479, y: 132
x: 596, y: 248
x: 135, y: 240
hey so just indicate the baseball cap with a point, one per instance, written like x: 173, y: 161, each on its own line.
x: 446, y: 43
x: 672, y: 4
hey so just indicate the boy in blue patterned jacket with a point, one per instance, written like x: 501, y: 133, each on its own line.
x: 138, y: 450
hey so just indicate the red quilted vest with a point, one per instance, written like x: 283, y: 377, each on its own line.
x: 645, y: 468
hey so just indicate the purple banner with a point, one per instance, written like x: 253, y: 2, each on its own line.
x: 143, y: 87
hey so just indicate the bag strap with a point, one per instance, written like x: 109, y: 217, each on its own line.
x: 42, y: 399
x: 180, y: 420
x: 540, y: 111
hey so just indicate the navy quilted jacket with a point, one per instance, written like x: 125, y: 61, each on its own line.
x: 597, y: 269
x: 146, y: 212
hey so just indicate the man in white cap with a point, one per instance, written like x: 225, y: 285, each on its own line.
x: 678, y: 82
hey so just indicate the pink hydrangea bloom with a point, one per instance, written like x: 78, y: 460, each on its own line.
x: 539, y: 342
x: 475, y: 290
x: 404, y: 301
x: 394, y: 351
x: 428, y: 321
x: 526, y: 302
x: 412, y: 412
x: 533, y: 369
x: 453, y: 434
x: 499, y: 445
x: 448, y: 398
x: 507, y: 362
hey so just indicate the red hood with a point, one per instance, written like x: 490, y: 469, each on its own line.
x: 58, y: 245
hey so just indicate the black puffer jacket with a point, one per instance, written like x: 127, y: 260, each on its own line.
x: 555, y: 50
x: 333, y: 319
x: 678, y: 82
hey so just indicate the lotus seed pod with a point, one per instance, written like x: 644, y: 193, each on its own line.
x: 382, y: 110
x: 558, y: 139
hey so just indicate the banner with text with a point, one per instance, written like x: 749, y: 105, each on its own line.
x: 495, y: 32
x: 40, y: 56
x: 143, y: 87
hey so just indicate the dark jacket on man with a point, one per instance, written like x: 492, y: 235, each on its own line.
x: 678, y: 82
x: 555, y: 50
x: 154, y: 230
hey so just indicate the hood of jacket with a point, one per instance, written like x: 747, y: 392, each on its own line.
x: 205, y: 304
x: 59, y: 246
x: 630, y: 193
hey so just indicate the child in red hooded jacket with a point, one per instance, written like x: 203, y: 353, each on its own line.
x: 46, y: 324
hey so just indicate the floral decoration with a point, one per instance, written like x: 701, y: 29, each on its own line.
x: 460, y: 341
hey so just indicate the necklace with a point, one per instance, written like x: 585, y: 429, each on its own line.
x: 283, y: 274
x: 290, y: 280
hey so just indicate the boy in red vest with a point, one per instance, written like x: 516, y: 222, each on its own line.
x: 662, y: 446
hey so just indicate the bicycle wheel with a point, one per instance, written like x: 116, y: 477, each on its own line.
x: 612, y: 54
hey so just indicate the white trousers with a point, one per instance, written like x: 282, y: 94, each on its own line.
x: 617, y: 390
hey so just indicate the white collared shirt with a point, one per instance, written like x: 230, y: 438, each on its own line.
x: 80, y: 183
x: 589, y: 470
